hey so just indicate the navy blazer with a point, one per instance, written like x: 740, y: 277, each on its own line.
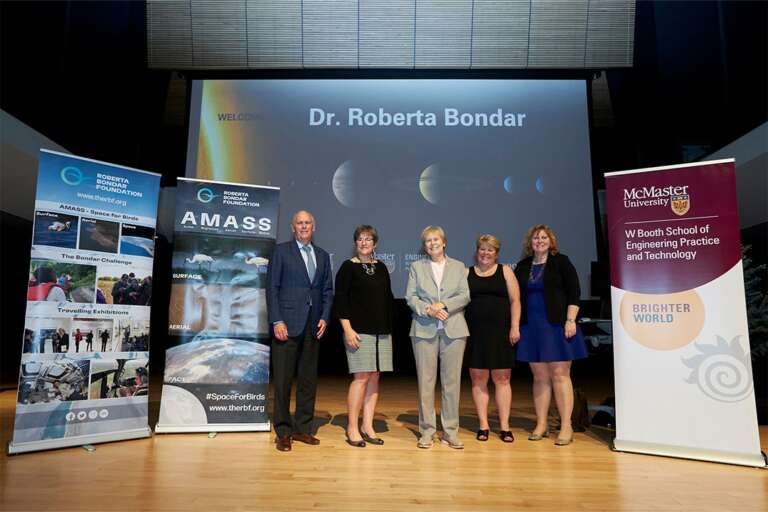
x: 289, y: 292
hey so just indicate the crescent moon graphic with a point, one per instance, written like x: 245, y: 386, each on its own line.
x: 343, y: 184
x: 508, y: 184
x: 429, y: 183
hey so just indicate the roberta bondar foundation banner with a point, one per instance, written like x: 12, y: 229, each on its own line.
x: 217, y: 366
x: 84, y: 370
x: 681, y: 344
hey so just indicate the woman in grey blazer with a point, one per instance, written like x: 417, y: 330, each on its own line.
x: 437, y: 294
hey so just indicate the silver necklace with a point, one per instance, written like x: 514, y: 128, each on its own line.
x: 533, y: 277
x: 370, y: 268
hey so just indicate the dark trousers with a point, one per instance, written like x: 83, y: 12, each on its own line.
x: 296, y: 355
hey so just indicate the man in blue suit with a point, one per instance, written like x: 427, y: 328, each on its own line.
x: 299, y: 297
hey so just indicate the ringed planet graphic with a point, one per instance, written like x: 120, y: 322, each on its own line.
x: 429, y: 182
x: 346, y: 180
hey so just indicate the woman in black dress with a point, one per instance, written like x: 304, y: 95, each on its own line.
x: 493, y: 316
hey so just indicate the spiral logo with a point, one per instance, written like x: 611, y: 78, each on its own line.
x: 721, y: 371
x: 724, y: 378
x: 205, y: 195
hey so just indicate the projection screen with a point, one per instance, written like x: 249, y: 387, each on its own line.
x: 472, y: 156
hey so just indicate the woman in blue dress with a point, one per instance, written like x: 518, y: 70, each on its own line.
x: 549, y: 339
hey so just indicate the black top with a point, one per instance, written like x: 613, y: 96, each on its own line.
x: 365, y: 300
x: 561, y: 287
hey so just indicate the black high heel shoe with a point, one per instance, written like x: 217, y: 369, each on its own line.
x: 483, y: 434
x: 371, y: 440
x: 356, y: 444
x: 506, y: 436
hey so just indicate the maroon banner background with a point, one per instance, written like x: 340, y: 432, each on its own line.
x: 649, y: 240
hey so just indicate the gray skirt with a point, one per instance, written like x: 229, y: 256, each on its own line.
x: 372, y: 355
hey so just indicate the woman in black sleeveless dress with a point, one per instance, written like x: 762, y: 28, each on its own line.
x: 493, y: 317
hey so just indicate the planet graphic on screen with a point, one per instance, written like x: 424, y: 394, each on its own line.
x: 540, y: 185
x: 347, y: 184
x: 218, y: 361
x: 180, y: 407
x: 429, y: 183
x: 508, y: 186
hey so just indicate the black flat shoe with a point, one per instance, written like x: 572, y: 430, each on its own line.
x: 483, y: 434
x: 356, y: 444
x: 506, y: 436
x: 371, y: 440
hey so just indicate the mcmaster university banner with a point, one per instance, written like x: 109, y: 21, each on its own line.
x: 217, y: 366
x: 84, y: 366
x: 681, y: 344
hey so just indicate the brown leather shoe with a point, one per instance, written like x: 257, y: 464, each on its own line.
x: 306, y: 438
x: 283, y: 444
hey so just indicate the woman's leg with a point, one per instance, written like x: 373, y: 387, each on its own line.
x: 503, y: 394
x: 479, y: 378
x: 451, y: 356
x: 425, y: 351
x: 354, y: 402
x: 369, y: 403
x: 542, y: 394
x: 561, y: 382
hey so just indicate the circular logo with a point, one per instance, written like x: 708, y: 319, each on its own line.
x: 662, y: 321
x: 103, y: 413
x: 93, y: 414
x: 72, y: 176
x: 81, y: 415
x: 70, y: 416
x: 205, y: 195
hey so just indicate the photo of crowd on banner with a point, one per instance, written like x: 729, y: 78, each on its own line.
x: 128, y: 289
x: 71, y: 282
x: 61, y: 282
x: 65, y: 335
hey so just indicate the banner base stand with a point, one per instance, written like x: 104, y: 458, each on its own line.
x: 51, y: 444
x: 215, y: 427
x: 756, y: 460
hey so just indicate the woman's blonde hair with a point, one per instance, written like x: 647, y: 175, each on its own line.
x: 528, y: 240
x: 430, y: 230
x: 488, y: 240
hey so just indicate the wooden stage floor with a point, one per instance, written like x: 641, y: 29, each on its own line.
x: 243, y: 471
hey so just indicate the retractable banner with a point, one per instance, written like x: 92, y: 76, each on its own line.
x: 681, y: 344
x: 217, y: 366
x: 84, y: 364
